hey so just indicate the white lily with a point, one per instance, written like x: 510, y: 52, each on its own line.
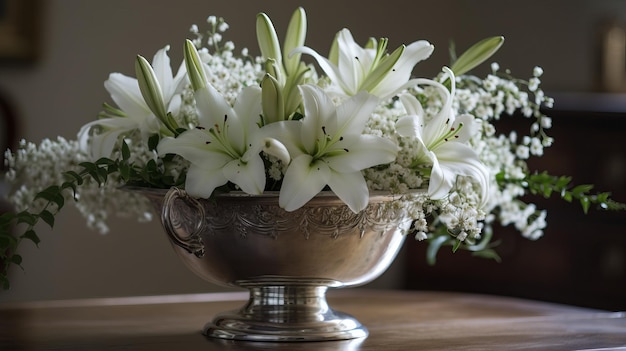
x: 443, y: 142
x: 134, y: 112
x: 353, y: 68
x: 328, y: 148
x: 226, y: 144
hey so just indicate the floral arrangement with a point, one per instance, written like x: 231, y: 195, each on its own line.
x: 352, y: 122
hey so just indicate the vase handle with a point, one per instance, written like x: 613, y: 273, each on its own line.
x: 183, y: 224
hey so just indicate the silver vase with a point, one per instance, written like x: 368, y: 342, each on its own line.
x: 287, y: 260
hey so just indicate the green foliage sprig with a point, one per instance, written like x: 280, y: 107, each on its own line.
x: 54, y: 200
x: 539, y: 184
x: 546, y: 185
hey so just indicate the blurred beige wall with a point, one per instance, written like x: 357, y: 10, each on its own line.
x: 83, y: 41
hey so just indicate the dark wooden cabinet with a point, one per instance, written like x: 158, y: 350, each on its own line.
x: 581, y: 259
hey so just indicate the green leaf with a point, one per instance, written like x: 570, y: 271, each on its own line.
x: 6, y: 218
x: 4, y: 243
x: 581, y: 189
x: 52, y: 194
x: 88, y: 166
x: 456, y: 246
x: 584, y: 202
x: 7, y: 242
x: 75, y: 176
x: 489, y: 254
x: 125, y: 171
x: 104, y: 162
x: 32, y: 236
x: 153, y: 141
x: 74, y: 188
x: 97, y: 173
x: 27, y: 218
x: 47, y: 217
x: 16, y: 259
x: 126, y: 151
x: 433, y: 247
x: 562, y: 182
x: 567, y: 196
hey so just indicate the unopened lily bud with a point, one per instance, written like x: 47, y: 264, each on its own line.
x: 275, y: 148
x: 194, y: 65
x: 272, y: 100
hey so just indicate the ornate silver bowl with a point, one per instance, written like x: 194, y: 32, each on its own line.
x: 287, y: 260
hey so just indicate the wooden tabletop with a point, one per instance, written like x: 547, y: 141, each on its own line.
x: 397, y: 320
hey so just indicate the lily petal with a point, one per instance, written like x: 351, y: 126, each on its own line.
x: 288, y: 133
x: 249, y: 176
x: 392, y: 83
x: 328, y: 67
x: 461, y: 159
x: 411, y: 104
x: 201, y: 182
x: 317, y: 104
x: 125, y: 92
x: 163, y: 71
x: 353, y: 114
x: 211, y: 107
x: 469, y: 127
x: 409, y: 126
x: 103, y: 143
x: 351, y: 188
x: 247, y: 111
x: 192, y: 146
x: 303, y: 180
x: 369, y: 151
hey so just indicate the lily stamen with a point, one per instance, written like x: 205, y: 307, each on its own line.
x: 452, y: 134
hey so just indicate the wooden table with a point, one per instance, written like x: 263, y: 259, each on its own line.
x: 397, y: 320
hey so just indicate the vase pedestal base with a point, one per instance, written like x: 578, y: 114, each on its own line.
x: 285, y: 313
x: 232, y: 326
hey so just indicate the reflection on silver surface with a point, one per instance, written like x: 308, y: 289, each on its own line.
x: 340, y: 345
x: 287, y: 260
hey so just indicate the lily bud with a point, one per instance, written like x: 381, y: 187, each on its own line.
x: 194, y: 65
x: 272, y: 99
x: 275, y: 148
x: 150, y: 87
x: 477, y: 54
x: 267, y: 38
x: 272, y: 68
x: 296, y: 35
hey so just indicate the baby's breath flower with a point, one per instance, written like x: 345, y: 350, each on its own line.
x: 222, y: 27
